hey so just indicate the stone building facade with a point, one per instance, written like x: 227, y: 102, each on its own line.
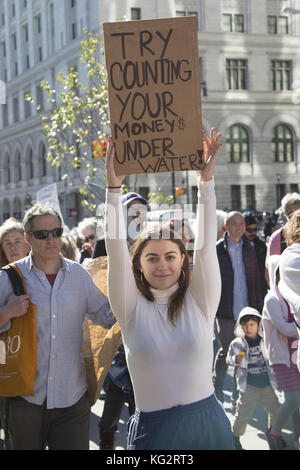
x: 250, y: 76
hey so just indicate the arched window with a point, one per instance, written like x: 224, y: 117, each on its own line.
x: 43, y: 160
x: 6, y: 209
x: 17, y: 208
x: 60, y: 172
x: 29, y: 163
x: 27, y: 202
x: 282, y: 144
x: 237, y: 144
x: 6, y: 169
x: 18, y: 175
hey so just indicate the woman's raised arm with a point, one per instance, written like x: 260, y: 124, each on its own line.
x: 122, y: 290
x: 206, y: 281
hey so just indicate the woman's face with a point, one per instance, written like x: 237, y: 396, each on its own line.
x: 161, y: 263
x: 15, y: 246
x: 89, y: 235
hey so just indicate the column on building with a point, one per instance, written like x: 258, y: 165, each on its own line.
x: 7, y: 5
x: 30, y: 33
x: 44, y: 32
x: 19, y: 38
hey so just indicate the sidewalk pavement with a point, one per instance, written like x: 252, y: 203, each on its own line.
x: 253, y: 439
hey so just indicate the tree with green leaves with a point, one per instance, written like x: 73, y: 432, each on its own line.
x: 77, y: 121
x: 77, y: 118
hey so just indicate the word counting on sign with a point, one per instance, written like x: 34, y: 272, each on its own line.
x: 154, y: 95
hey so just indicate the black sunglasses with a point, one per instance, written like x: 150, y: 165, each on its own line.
x: 90, y: 237
x: 251, y: 230
x: 43, y: 234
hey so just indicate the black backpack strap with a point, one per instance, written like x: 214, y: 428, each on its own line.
x: 15, y: 280
x: 297, y: 324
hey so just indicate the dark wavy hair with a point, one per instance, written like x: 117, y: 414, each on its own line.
x: 158, y: 232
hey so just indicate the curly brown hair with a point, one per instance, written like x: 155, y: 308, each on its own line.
x: 176, y: 300
x: 292, y: 229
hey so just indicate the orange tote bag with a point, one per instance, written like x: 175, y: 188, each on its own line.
x: 18, y: 347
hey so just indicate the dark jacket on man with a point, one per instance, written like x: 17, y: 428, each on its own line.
x: 261, y: 251
x: 255, y: 297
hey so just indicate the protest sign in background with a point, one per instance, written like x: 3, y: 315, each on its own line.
x: 154, y: 94
x: 49, y: 195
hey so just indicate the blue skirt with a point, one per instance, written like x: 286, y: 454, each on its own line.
x: 202, y: 425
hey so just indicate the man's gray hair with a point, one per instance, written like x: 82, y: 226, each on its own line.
x: 91, y: 222
x: 40, y: 208
x: 288, y: 199
x: 232, y: 214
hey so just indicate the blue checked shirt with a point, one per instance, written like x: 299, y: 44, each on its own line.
x: 60, y: 377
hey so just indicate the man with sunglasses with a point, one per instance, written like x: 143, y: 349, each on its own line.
x: 88, y: 231
x: 64, y: 293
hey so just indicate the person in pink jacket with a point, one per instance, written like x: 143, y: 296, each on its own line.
x: 277, y: 244
x: 281, y: 343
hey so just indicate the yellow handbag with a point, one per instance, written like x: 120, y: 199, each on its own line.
x: 19, y: 346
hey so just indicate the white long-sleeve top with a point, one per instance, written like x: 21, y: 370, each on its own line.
x: 168, y: 365
x: 276, y: 327
x: 289, y: 285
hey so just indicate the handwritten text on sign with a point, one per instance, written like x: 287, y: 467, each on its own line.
x: 154, y: 95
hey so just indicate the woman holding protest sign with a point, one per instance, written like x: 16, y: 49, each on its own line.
x: 167, y: 321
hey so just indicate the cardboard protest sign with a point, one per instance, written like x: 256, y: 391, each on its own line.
x: 99, y: 344
x: 98, y: 351
x: 154, y: 94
